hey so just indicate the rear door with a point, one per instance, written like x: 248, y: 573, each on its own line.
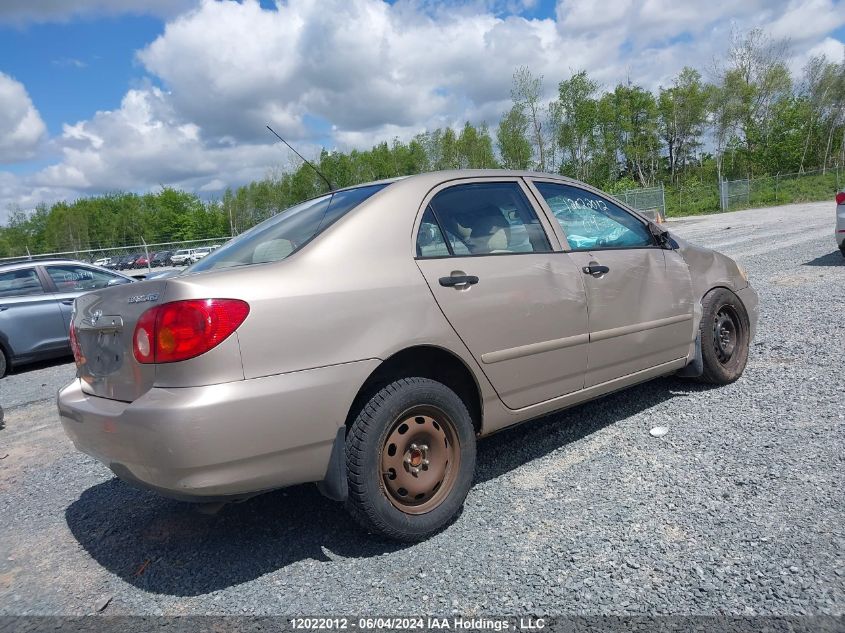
x: 639, y: 294
x: 30, y: 319
x: 72, y: 280
x: 519, y: 308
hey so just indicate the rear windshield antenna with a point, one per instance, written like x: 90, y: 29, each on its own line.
x: 307, y: 162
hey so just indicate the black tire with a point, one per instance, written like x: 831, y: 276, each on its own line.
x: 842, y: 249
x: 4, y: 362
x: 725, y: 337
x: 371, y: 501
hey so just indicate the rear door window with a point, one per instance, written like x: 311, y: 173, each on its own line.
x: 488, y: 219
x: 430, y: 240
x: 20, y: 283
x: 70, y: 278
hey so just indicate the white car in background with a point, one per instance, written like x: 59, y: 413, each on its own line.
x: 183, y: 256
x: 840, y: 221
x: 199, y: 253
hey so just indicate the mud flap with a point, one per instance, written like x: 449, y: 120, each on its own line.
x: 335, y: 486
x: 696, y: 367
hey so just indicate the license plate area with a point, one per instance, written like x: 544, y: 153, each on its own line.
x: 103, y: 348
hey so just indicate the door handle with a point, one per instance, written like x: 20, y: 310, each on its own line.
x: 595, y: 269
x: 458, y: 280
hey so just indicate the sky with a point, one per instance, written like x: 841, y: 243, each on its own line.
x: 132, y: 95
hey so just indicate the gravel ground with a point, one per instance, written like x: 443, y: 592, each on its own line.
x: 737, y: 510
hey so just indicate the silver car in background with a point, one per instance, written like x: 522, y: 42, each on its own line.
x: 365, y: 338
x: 36, y: 300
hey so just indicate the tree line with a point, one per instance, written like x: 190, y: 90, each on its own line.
x: 751, y: 119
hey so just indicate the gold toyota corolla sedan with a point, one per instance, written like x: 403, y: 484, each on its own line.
x: 364, y: 339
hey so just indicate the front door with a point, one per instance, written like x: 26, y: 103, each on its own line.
x: 30, y: 319
x: 639, y: 294
x: 519, y: 308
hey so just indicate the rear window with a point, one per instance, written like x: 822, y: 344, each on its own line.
x: 19, y: 283
x: 276, y: 238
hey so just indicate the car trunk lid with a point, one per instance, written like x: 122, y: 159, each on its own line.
x: 104, y: 324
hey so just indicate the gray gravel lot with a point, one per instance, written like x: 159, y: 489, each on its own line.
x: 739, y: 509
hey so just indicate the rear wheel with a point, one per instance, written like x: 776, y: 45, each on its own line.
x: 410, y: 457
x: 725, y: 337
x: 842, y: 249
x: 4, y: 362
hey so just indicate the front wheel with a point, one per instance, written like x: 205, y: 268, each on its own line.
x: 410, y: 458
x: 725, y: 337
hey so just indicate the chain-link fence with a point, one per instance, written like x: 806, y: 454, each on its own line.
x: 803, y: 186
x: 651, y: 201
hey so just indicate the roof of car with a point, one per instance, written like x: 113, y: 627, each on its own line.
x: 450, y: 174
x: 20, y: 263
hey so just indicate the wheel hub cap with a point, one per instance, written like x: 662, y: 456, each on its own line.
x: 419, y: 461
x: 725, y: 334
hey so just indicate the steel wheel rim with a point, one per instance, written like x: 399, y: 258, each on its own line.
x: 420, y: 459
x: 726, y: 331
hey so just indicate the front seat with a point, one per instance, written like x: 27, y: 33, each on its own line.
x: 489, y: 231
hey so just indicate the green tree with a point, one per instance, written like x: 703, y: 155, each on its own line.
x: 577, y: 116
x: 512, y: 138
x: 682, y: 112
x: 526, y: 94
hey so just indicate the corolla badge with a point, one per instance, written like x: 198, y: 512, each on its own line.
x: 96, y: 316
x: 153, y: 296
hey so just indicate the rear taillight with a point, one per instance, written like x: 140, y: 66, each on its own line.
x: 180, y: 330
x: 840, y: 197
x: 78, y: 358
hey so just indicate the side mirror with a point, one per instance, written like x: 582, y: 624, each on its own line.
x: 664, y: 240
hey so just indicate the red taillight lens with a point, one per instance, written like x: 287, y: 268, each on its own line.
x: 840, y: 197
x: 144, y: 337
x: 184, y: 329
x: 78, y: 358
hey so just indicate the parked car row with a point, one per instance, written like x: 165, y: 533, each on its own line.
x: 36, y: 306
x: 181, y: 257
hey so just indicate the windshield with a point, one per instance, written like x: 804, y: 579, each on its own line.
x: 276, y: 238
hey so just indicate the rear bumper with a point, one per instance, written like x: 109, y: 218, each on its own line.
x: 227, y: 440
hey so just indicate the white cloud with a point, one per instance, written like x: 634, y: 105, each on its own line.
x: 353, y: 72
x: 21, y: 12
x: 807, y: 20
x: 69, y: 62
x: 833, y: 49
x: 144, y: 144
x: 21, y: 127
